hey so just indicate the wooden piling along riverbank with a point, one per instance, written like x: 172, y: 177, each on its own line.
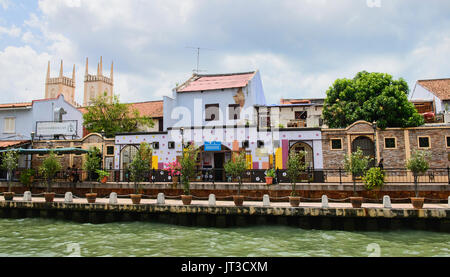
x: 339, y: 218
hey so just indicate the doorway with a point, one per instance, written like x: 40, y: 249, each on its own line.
x: 219, y: 159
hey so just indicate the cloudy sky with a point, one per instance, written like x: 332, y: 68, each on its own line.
x: 299, y: 46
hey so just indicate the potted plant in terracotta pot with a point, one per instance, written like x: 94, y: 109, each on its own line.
x: 356, y: 164
x: 270, y: 174
x: 295, y: 167
x: 173, y: 169
x: 138, y: 169
x: 188, y: 163
x: 236, y: 168
x: 9, y: 163
x: 374, y: 179
x: 418, y: 164
x: 27, y: 177
x: 50, y: 166
x: 92, y: 165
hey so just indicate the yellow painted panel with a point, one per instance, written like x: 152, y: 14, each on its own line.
x: 271, y: 161
x: 249, y: 161
x: 154, y: 162
x: 279, y: 158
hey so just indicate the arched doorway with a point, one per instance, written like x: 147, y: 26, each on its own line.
x: 367, y: 146
x: 214, y: 161
x: 127, y: 155
x: 302, y: 146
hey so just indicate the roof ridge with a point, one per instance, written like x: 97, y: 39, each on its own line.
x: 438, y: 79
x: 224, y: 74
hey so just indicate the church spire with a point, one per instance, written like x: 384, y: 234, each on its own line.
x: 48, y: 71
x: 98, y: 69
x: 87, y: 67
x: 101, y: 66
x: 112, y: 71
x: 61, y: 70
x: 73, y: 74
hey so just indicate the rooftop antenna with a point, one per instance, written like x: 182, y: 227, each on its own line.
x: 198, y: 57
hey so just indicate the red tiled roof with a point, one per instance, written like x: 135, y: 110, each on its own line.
x: 439, y: 87
x: 216, y: 81
x: 9, y: 143
x: 294, y: 101
x: 15, y: 105
x: 149, y: 108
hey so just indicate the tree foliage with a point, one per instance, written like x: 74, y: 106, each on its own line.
x: 370, y: 97
x: 10, y: 161
x: 374, y: 178
x: 356, y: 164
x: 93, y: 161
x: 236, y: 168
x: 188, y: 163
x: 113, y: 118
x: 141, y: 164
x: 295, y: 167
x: 50, y: 166
x: 419, y: 162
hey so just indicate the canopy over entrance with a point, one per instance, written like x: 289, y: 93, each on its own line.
x: 46, y: 151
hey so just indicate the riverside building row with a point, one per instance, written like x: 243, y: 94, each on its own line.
x: 222, y: 114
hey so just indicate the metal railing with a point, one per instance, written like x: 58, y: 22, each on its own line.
x: 392, y: 175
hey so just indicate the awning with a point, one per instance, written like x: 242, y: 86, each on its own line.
x: 46, y: 151
x: 12, y: 143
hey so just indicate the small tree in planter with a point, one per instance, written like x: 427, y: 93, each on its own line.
x: 27, y: 177
x: 92, y: 165
x: 270, y: 174
x: 374, y: 178
x: 50, y: 166
x: 173, y: 169
x: 356, y: 164
x: 418, y: 164
x: 9, y: 163
x: 295, y: 167
x: 236, y: 168
x: 188, y: 163
x: 138, y: 169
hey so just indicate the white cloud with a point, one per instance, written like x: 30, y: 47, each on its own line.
x: 12, y: 31
x: 5, y: 4
x: 22, y: 74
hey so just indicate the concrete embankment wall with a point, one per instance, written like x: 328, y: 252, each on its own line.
x: 434, y: 192
x: 364, y: 219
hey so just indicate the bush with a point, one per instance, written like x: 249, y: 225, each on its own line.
x: 295, y: 168
x: 188, y: 163
x: 374, y: 178
x: 236, y: 168
x: 50, y: 166
x: 26, y: 177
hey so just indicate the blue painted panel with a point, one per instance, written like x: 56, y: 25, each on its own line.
x: 213, y: 146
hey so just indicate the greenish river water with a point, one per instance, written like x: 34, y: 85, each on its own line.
x: 47, y: 237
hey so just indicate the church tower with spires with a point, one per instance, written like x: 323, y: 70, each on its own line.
x: 60, y: 85
x: 96, y: 85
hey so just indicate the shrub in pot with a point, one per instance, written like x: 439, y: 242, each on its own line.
x: 236, y: 168
x: 188, y: 164
x: 418, y: 164
x: 139, y: 168
x: 27, y: 177
x: 173, y: 169
x: 9, y: 163
x: 356, y: 164
x: 50, y: 166
x: 92, y: 165
x: 374, y: 178
x: 270, y: 174
x: 295, y: 167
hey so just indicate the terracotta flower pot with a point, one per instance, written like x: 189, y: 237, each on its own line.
x: 186, y: 199
x: 417, y: 202
x: 90, y: 197
x: 294, y: 201
x: 104, y: 179
x: 238, y: 200
x: 49, y: 197
x: 356, y: 202
x: 9, y: 196
x: 269, y: 180
x: 136, y: 198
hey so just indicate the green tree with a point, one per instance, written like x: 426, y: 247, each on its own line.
x: 92, y: 163
x: 374, y: 178
x: 10, y: 163
x: 188, y: 164
x: 295, y: 167
x: 356, y: 164
x: 50, y: 166
x: 140, y: 165
x: 370, y: 97
x: 113, y: 118
x: 236, y: 168
x: 418, y: 163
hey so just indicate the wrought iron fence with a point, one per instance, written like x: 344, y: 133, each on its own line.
x: 392, y: 175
